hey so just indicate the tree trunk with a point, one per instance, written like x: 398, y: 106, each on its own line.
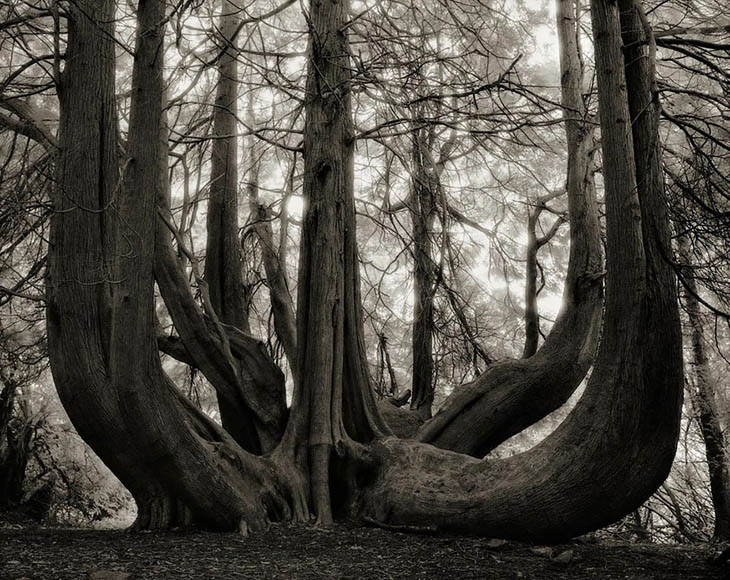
x: 514, y: 394
x: 333, y: 400
x: 274, y: 259
x: 611, y: 453
x: 14, y: 447
x: 617, y: 445
x: 177, y: 463
x: 705, y: 403
x: 532, y: 315
x: 222, y: 261
x: 81, y: 246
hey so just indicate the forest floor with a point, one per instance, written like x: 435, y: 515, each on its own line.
x: 304, y: 552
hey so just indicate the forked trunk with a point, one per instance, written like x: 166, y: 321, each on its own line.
x: 611, y: 453
x: 178, y: 464
x: 617, y: 445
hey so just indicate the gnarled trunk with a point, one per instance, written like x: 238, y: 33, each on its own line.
x: 512, y: 395
x: 177, y: 463
x: 617, y: 445
x: 611, y: 453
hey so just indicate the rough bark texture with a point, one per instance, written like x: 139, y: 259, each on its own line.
x: 238, y: 365
x: 617, y: 445
x: 512, y: 395
x: 222, y: 261
x: 178, y: 465
x: 611, y: 453
x: 79, y: 278
x: 333, y: 400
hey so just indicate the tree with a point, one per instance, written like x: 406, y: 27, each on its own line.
x: 110, y: 241
x: 524, y: 391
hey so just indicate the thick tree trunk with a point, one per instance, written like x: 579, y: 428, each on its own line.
x: 222, y: 261
x: 177, y: 463
x: 333, y: 400
x: 79, y: 282
x: 512, y: 395
x: 617, y: 446
x: 614, y: 449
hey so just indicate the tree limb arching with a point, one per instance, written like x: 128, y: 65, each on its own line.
x: 514, y: 394
x: 617, y: 445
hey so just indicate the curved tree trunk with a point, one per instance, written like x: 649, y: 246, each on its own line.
x: 617, y: 445
x: 514, y: 394
x: 611, y: 453
x: 222, y: 261
x: 178, y: 464
x: 81, y: 248
x: 532, y: 314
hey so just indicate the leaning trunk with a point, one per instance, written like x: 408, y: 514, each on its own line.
x: 179, y: 466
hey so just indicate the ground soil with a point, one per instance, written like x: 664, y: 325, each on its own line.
x: 348, y: 551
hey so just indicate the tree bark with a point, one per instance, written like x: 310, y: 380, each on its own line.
x: 617, y: 445
x: 14, y: 446
x: 282, y: 306
x: 222, y: 261
x: 512, y: 395
x: 611, y: 453
x: 532, y: 315
x: 79, y: 280
x: 333, y: 400
x: 179, y: 466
